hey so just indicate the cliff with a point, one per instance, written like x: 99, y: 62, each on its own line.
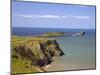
x: 38, y: 51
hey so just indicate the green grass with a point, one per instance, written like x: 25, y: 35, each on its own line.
x: 53, y: 34
x: 21, y: 65
x: 16, y: 41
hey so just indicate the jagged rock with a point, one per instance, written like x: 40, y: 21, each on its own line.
x: 40, y: 52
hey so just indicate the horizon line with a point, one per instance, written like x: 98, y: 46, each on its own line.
x: 52, y: 27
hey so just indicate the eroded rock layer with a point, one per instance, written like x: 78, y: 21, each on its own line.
x: 40, y: 52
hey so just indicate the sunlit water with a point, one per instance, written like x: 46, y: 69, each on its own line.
x: 79, y: 51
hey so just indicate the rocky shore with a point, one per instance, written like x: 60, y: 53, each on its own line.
x: 34, y: 54
x: 39, y: 52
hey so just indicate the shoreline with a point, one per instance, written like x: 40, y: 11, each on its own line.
x: 38, y: 52
x: 55, y: 66
x: 58, y: 66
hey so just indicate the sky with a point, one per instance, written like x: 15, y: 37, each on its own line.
x: 50, y: 15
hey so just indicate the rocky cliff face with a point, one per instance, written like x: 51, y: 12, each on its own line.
x: 40, y: 52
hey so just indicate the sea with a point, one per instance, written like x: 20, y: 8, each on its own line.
x: 80, y: 51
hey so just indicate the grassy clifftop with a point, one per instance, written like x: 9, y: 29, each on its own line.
x: 53, y: 34
x: 30, y: 54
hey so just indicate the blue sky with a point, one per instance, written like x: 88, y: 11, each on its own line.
x: 47, y: 15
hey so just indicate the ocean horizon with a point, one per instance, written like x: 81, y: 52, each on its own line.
x: 79, y: 51
x: 52, y: 37
x: 28, y: 31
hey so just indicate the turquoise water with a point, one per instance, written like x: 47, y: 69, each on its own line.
x: 79, y: 53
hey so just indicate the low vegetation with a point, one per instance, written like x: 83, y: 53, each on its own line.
x: 31, y: 54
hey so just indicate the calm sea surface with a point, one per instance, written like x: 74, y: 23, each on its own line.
x: 79, y: 51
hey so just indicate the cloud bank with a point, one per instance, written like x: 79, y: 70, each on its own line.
x: 52, y: 16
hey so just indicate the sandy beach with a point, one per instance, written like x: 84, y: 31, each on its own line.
x: 58, y: 65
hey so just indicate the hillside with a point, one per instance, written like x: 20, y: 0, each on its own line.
x: 30, y: 54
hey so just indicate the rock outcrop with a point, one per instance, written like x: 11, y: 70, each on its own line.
x: 40, y: 52
x: 61, y: 34
x: 78, y: 34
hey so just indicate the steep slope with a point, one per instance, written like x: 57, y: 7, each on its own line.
x: 38, y: 52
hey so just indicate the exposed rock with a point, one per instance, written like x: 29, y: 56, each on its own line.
x: 79, y: 34
x: 40, y: 52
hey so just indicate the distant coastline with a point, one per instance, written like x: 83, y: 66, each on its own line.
x: 24, y: 47
x: 24, y: 31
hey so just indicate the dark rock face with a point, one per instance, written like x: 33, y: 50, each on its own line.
x: 39, y: 52
x: 25, y: 52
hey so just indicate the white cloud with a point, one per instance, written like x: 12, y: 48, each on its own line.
x: 47, y: 16
x: 76, y: 17
x: 38, y: 16
x: 82, y: 17
x: 52, y: 16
